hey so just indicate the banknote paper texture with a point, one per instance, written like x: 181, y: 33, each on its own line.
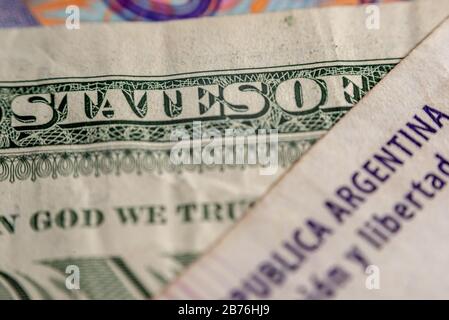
x: 363, y: 215
x: 92, y: 205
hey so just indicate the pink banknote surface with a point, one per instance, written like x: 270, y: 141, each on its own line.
x: 16, y: 13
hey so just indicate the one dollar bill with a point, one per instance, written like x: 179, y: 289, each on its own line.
x: 93, y: 205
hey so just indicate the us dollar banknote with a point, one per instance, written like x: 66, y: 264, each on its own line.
x: 99, y: 197
x: 363, y: 215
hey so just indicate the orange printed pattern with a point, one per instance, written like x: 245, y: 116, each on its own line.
x: 51, y: 12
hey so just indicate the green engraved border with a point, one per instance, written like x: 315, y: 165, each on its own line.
x: 59, y: 163
x: 212, y: 71
x: 113, y: 131
x: 119, y: 162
